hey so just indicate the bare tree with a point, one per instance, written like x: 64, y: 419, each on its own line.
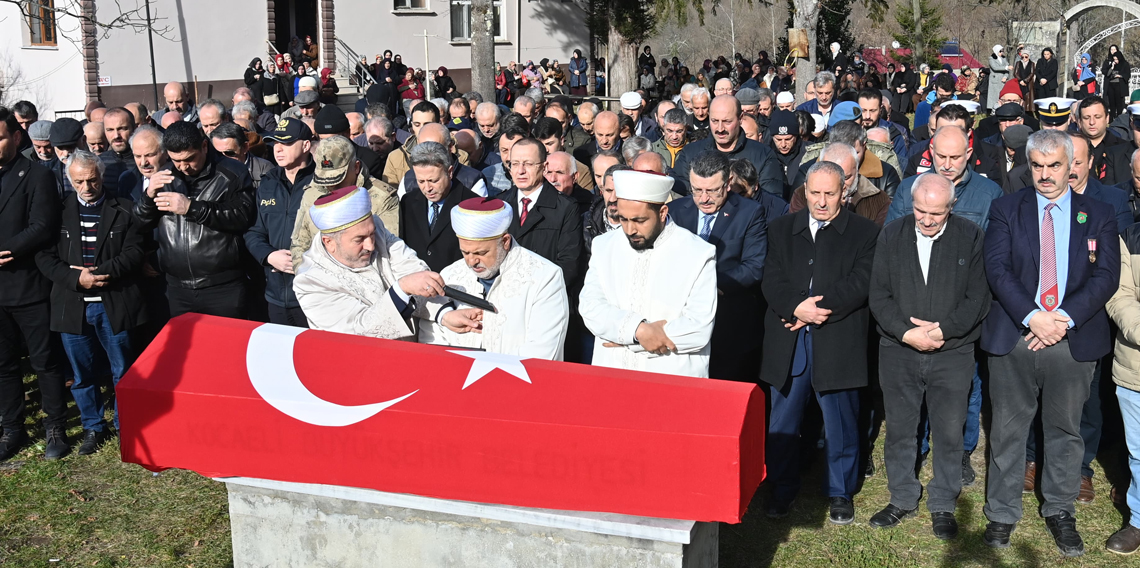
x: 105, y: 20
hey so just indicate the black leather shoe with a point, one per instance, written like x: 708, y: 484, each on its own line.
x: 842, y: 511
x: 779, y: 508
x: 945, y: 525
x: 968, y: 475
x: 57, y: 445
x: 1063, y: 527
x: 869, y: 472
x: 93, y: 440
x: 890, y: 516
x: 11, y: 443
x: 997, y: 534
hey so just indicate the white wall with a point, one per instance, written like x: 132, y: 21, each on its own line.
x: 212, y: 39
x: 49, y: 77
x: 551, y: 28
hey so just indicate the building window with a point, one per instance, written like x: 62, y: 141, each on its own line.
x: 411, y: 4
x: 461, y: 20
x: 41, y: 22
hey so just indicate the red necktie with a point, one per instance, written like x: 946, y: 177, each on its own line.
x: 1048, y: 261
x: 525, y: 208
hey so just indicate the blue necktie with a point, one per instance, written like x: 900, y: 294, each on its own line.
x: 433, y: 214
x: 706, y: 228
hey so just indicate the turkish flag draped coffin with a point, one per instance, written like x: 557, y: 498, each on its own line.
x: 228, y: 398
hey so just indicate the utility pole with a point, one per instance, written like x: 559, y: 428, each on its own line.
x: 150, y: 41
x: 429, y: 75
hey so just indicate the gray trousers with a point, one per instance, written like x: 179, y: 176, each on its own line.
x: 944, y: 378
x: 1017, y: 381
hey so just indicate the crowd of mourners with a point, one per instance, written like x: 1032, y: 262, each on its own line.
x: 902, y: 249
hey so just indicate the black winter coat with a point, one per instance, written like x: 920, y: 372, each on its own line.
x: 837, y: 266
x: 118, y: 254
x: 29, y: 222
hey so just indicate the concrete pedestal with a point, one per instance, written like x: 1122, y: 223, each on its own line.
x: 276, y: 524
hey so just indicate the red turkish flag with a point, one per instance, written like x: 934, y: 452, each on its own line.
x: 229, y: 398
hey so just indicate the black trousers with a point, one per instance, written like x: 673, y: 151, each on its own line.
x: 45, y: 352
x: 944, y: 379
x: 287, y: 316
x: 224, y: 300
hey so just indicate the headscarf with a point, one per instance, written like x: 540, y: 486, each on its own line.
x: 997, y: 51
x: 325, y: 73
x: 280, y: 61
x: 443, y: 70
x: 266, y: 74
x: 253, y: 64
x: 1086, y: 72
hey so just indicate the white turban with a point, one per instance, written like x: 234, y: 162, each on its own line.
x: 341, y: 209
x: 650, y: 187
x: 480, y: 219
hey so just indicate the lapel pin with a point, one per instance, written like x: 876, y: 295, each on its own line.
x: 1082, y: 217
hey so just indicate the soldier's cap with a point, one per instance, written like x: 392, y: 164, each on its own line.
x: 306, y: 98
x: 334, y: 156
x: 290, y: 130
x: 1054, y: 111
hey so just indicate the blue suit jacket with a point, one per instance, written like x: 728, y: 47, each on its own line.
x: 740, y: 236
x: 1113, y: 196
x: 1013, y: 252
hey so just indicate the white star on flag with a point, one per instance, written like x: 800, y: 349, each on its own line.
x: 485, y: 362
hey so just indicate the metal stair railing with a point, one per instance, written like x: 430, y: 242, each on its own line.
x: 348, y: 60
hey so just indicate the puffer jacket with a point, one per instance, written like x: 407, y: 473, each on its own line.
x: 206, y: 246
x: 1124, y: 309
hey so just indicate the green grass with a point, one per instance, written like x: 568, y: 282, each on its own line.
x: 98, y: 511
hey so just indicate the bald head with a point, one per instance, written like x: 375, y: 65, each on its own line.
x: 932, y: 198
x: 434, y: 132
x: 97, y: 115
x: 138, y: 111
x: 175, y: 95
x: 586, y: 114
x: 355, y: 123
x: 468, y: 141
x: 606, y: 130
x: 951, y: 152
x: 170, y: 118
x: 96, y: 137
x: 650, y: 162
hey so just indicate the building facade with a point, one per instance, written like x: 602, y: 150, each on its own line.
x: 59, y: 63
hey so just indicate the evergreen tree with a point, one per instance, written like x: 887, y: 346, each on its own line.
x: 921, y: 35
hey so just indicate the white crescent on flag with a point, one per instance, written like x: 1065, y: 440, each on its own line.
x: 269, y: 362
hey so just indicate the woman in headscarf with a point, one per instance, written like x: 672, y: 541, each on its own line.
x: 410, y: 89
x: 901, y: 87
x: 1026, y: 74
x: 579, y: 73
x: 282, y: 66
x: 444, y: 85
x: 1084, y: 77
x: 328, y: 87
x: 557, y: 78
x: 1116, y: 77
x: 253, y: 75
x: 999, y: 74
x: 312, y: 52
x: 272, y: 89
x: 1046, y: 84
x: 769, y: 76
x: 503, y: 78
x: 296, y: 50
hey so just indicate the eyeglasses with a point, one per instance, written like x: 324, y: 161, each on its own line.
x: 527, y: 165
x: 230, y: 153
x: 708, y: 192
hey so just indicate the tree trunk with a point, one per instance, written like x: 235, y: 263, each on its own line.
x: 621, y: 72
x: 483, y: 49
x: 806, y: 18
x: 917, y: 52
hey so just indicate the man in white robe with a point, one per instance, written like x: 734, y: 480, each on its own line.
x: 359, y: 278
x: 650, y: 292
x: 527, y: 291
